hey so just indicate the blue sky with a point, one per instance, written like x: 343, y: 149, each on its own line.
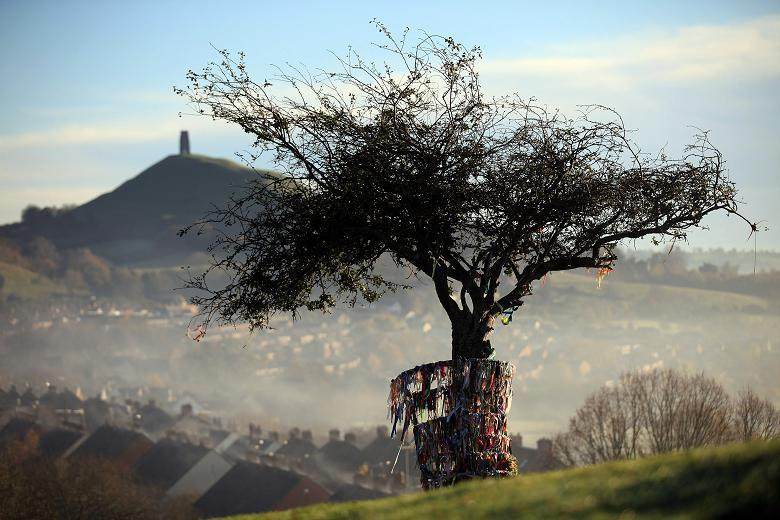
x: 87, y: 99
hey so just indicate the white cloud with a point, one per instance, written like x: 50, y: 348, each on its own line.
x: 83, y: 134
x: 127, y: 131
x: 746, y: 50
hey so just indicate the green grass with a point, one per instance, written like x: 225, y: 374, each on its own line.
x: 614, y: 287
x: 28, y: 285
x: 741, y: 481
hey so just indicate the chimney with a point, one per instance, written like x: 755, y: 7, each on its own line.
x: 544, y: 446
x: 334, y: 434
x: 274, y: 436
x: 295, y: 433
x: 381, y: 432
x: 307, y: 436
x: 350, y: 438
x: 517, y: 440
x: 184, y: 143
x: 186, y: 410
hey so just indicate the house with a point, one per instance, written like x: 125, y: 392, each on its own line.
x: 265, y: 449
x: 196, y: 426
x: 13, y: 396
x: 190, y: 402
x: 51, y: 443
x: 54, y: 443
x: 340, y: 455
x: 57, y: 409
x: 383, y: 449
x: 297, y: 447
x: 120, y: 414
x: 382, y: 454
x: 123, y: 447
x: 202, y: 475
x: 207, y: 471
x: 240, y: 447
x: 18, y: 429
x: 167, y: 462
x: 65, y: 400
x: 256, y: 488
x: 154, y: 420
x: 217, y: 436
x: 28, y: 398
x: 96, y: 412
x: 6, y: 401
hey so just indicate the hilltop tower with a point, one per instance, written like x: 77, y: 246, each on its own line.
x: 184, y: 143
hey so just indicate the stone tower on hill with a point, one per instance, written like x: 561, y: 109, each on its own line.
x: 184, y: 143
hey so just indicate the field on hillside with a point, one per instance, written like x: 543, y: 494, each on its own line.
x: 28, y: 285
x: 737, y: 481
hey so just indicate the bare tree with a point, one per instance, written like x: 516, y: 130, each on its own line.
x: 410, y: 159
x: 598, y: 432
x: 754, y: 418
x: 704, y: 418
x: 606, y: 427
x: 661, y: 411
x: 630, y: 399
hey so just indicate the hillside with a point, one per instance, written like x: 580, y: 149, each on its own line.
x: 136, y: 223
x: 738, y: 481
x: 28, y: 285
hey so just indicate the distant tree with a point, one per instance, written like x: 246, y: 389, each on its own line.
x: 35, y: 216
x: 708, y: 269
x: 668, y: 265
x: 43, y: 256
x: 680, y: 411
x: 95, y: 271
x: 126, y: 283
x: 755, y: 418
x: 11, y: 252
x: 608, y: 426
x: 410, y: 159
x: 662, y: 411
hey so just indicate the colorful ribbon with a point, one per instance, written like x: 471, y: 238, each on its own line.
x: 458, y: 414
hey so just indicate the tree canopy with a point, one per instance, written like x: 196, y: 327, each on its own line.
x: 410, y: 159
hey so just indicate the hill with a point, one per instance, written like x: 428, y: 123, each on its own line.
x: 737, y: 481
x: 136, y: 223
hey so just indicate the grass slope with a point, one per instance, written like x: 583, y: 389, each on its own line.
x: 740, y: 481
x: 28, y: 285
x: 616, y: 288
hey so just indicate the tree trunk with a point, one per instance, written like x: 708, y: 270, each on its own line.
x: 457, y: 413
x: 470, y: 337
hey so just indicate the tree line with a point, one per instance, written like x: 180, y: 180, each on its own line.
x: 660, y: 411
x: 674, y: 269
x: 80, y: 270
